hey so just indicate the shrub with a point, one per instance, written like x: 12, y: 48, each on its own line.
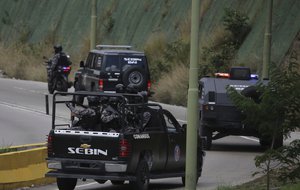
x: 172, y: 88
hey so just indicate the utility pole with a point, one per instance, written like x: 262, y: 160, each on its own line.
x: 193, y: 109
x: 93, y: 25
x: 267, y: 40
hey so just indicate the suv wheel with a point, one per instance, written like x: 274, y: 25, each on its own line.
x: 66, y: 183
x: 142, y: 176
x: 135, y: 76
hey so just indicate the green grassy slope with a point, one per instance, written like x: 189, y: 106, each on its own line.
x: 133, y: 22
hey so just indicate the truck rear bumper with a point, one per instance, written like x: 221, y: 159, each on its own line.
x: 86, y: 166
x: 104, y: 176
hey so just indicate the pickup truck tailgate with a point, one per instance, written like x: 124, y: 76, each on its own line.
x: 76, y: 144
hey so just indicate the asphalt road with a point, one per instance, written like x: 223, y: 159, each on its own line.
x: 23, y: 121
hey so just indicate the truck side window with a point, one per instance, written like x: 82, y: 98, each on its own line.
x: 154, y: 123
x: 171, y: 123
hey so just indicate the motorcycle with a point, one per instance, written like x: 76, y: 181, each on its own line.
x: 60, y: 79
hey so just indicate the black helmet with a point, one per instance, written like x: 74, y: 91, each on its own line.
x: 120, y: 88
x: 57, y: 48
x: 93, y: 100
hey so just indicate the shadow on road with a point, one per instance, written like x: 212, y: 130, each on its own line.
x: 152, y: 186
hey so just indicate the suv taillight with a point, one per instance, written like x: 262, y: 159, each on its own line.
x: 100, y: 83
x: 148, y: 86
x: 124, y: 148
x: 50, y: 145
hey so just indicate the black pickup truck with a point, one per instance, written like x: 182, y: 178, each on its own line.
x: 116, y: 137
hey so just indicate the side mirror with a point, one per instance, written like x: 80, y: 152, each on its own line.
x: 81, y: 64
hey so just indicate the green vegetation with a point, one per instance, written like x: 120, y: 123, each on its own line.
x: 6, y: 149
x: 281, y: 97
x: 219, y: 56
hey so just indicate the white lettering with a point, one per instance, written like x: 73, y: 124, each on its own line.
x: 86, y: 151
x: 71, y: 150
x: 141, y: 136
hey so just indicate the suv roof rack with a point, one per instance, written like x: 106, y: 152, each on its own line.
x: 113, y: 47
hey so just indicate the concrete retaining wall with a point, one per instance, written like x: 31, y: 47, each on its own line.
x: 24, y: 167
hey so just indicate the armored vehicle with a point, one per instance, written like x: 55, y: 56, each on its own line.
x: 219, y: 117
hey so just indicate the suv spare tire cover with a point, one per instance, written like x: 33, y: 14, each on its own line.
x: 136, y: 76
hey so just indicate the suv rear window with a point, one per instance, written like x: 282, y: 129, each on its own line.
x: 133, y: 60
x: 115, y: 62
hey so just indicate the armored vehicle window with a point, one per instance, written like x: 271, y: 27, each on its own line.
x: 112, y: 63
x: 201, y: 91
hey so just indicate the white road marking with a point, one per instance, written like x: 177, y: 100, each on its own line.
x: 84, y: 185
x: 28, y: 90
x: 22, y: 108
x: 250, y: 138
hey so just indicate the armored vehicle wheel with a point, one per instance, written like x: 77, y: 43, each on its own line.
x: 66, y: 183
x: 114, y: 182
x: 142, y: 176
x: 207, y: 133
x: 267, y: 141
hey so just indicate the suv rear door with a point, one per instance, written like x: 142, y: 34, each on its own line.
x: 91, y: 72
x: 111, y: 75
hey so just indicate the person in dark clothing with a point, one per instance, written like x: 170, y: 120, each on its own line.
x: 59, y: 58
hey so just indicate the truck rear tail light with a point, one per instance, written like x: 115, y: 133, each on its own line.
x: 208, y: 108
x: 124, y: 148
x: 50, y: 145
x: 100, y: 83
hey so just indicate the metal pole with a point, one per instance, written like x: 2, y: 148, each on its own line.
x: 93, y: 25
x: 267, y: 41
x: 193, y: 109
x: 47, y: 103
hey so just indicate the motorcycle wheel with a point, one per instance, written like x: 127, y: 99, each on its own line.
x: 62, y: 85
x: 50, y: 89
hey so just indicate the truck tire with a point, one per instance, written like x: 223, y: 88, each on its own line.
x: 78, y: 99
x: 66, y: 183
x: 135, y: 76
x: 115, y: 182
x: 142, y: 176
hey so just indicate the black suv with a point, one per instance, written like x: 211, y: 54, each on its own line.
x: 109, y: 65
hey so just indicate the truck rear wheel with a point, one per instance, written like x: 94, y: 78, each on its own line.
x: 142, y: 176
x: 66, y: 183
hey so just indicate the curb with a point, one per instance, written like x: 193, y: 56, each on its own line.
x: 24, y: 166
